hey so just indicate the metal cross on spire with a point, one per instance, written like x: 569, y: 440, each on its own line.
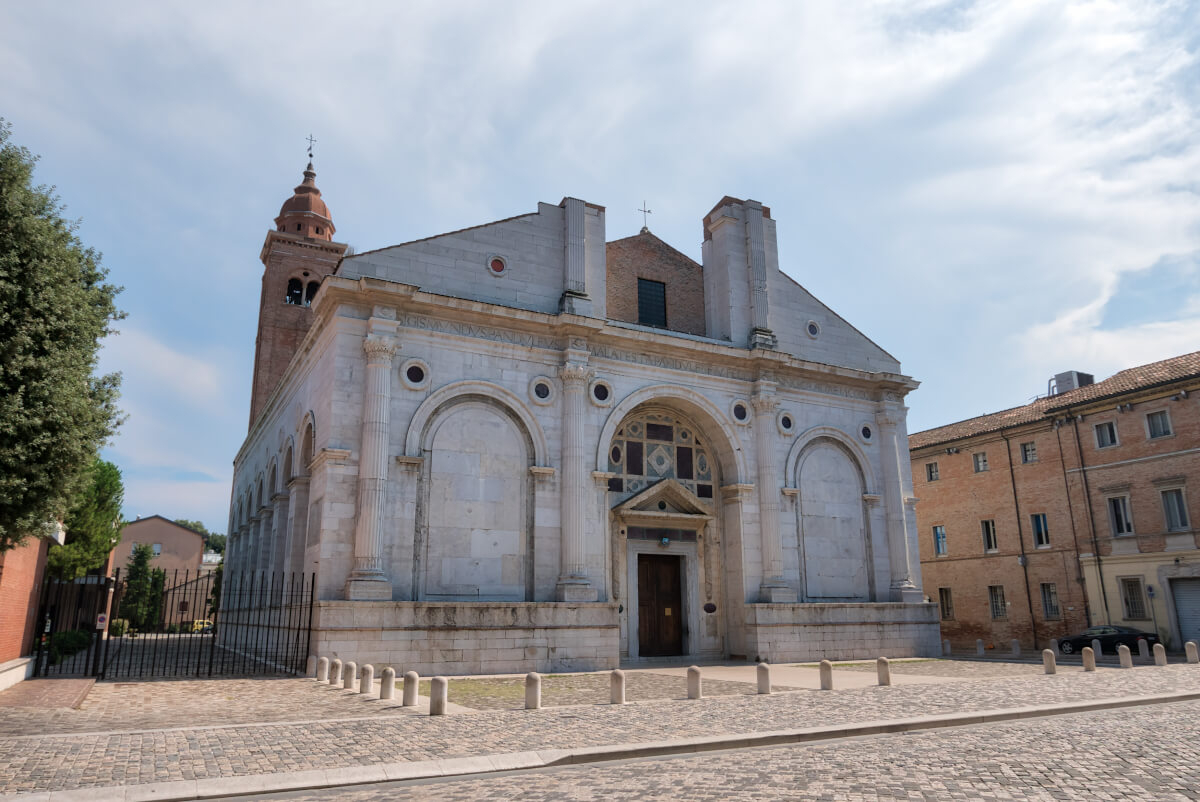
x: 311, y: 142
x: 645, y: 211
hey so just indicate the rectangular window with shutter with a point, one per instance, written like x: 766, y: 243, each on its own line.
x: 1133, y: 598
x: 652, y: 303
x: 996, y: 602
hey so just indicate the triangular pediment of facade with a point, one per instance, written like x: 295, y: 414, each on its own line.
x: 665, y: 501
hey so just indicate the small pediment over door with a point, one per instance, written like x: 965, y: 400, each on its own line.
x: 665, y: 504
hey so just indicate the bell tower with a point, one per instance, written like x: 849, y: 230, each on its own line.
x: 296, y: 256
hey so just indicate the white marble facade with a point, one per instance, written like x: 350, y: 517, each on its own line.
x: 474, y: 460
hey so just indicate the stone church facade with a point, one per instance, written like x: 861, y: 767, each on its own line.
x: 521, y: 447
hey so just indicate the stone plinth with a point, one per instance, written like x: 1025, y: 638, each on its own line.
x: 455, y: 638
x: 805, y: 632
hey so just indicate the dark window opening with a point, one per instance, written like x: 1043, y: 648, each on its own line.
x: 633, y: 458
x: 683, y: 462
x: 415, y: 374
x: 541, y: 390
x: 739, y: 411
x: 312, y: 290
x: 318, y: 229
x: 600, y: 392
x: 652, y: 303
x: 787, y: 422
x: 298, y: 227
x: 615, y: 454
x: 866, y: 432
x: 295, y: 292
x: 660, y: 431
x: 616, y: 485
x: 704, y: 491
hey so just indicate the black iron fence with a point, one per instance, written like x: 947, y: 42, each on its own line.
x: 175, y: 624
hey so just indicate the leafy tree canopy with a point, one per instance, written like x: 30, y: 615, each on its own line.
x: 212, y: 541
x: 142, y: 600
x: 55, y: 305
x: 93, y: 524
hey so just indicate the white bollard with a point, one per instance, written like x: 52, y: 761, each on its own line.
x: 335, y: 672
x: 366, y: 680
x: 1125, y: 655
x: 884, y: 669
x: 616, y: 687
x: 349, y: 675
x: 826, y: 670
x: 412, y: 682
x: 693, y: 683
x: 979, y: 650
x: 764, y: 678
x: 1016, y: 648
x: 1048, y: 662
x: 1097, y: 648
x: 1160, y: 654
x: 1089, y: 659
x: 323, y: 670
x: 533, y: 691
x: 387, y: 683
x: 1143, y: 649
x: 1193, y: 654
x: 438, y: 691
x: 946, y: 648
x: 310, y: 668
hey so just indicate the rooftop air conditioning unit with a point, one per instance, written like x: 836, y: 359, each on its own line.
x: 1070, y: 380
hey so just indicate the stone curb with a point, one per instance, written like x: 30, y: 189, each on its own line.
x: 466, y: 767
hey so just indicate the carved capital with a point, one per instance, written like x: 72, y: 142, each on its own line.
x: 764, y: 402
x: 575, y: 376
x: 379, y: 348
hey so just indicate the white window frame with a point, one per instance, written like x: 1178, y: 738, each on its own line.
x: 1166, y: 413
x: 932, y: 474
x: 1030, y: 455
x: 979, y: 460
x: 157, y: 548
x: 939, y: 540
x: 1125, y: 606
x: 996, y: 602
x: 1048, y: 613
x: 1185, y: 522
x: 1127, y: 511
x: 987, y: 528
x: 1041, y: 539
x: 1116, y: 439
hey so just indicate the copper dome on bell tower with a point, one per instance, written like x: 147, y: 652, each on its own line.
x: 305, y: 213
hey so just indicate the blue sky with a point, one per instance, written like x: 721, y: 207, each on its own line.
x: 993, y: 191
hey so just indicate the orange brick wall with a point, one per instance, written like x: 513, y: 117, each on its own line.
x: 282, y: 326
x: 21, y: 572
x: 646, y: 256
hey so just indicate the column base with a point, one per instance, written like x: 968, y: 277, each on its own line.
x: 368, y: 590
x: 773, y: 592
x: 908, y: 594
x: 575, y: 590
x: 575, y: 303
x: 762, y: 338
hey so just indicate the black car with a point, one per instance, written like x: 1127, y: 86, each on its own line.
x: 1110, y: 638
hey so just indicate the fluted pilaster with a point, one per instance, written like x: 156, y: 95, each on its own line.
x: 573, y: 583
x: 893, y: 439
x: 774, y: 588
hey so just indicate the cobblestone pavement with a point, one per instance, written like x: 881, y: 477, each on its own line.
x: 1156, y: 756
x: 69, y: 761
x: 559, y: 690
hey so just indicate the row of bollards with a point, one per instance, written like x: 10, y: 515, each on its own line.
x: 347, y: 675
x: 1158, y: 652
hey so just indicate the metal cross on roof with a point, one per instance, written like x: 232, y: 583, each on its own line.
x: 645, y: 212
x: 311, y: 142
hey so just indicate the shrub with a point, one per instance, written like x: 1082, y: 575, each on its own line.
x: 117, y: 627
x: 65, y: 644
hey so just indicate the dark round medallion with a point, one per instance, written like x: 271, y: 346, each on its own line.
x: 497, y: 265
x: 710, y: 608
x: 739, y: 411
x: 600, y: 392
x: 786, y: 421
x: 866, y: 432
x: 813, y: 329
x: 415, y: 374
x: 541, y: 390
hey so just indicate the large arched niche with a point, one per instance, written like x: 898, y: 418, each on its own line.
x: 444, y: 396
x: 474, y: 522
x: 832, y: 522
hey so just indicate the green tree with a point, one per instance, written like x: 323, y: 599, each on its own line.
x: 212, y: 541
x: 93, y: 524
x: 55, y: 306
x: 142, y: 598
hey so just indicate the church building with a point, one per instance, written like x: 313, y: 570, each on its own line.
x: 520, y: 446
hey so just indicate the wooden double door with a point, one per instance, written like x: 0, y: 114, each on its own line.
x: 660, y: 605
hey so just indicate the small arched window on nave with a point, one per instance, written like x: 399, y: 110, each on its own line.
x: 295, y: 292
x: 313, y: 286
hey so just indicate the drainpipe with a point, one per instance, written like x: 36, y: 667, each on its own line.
x: 1087, y: 608
x: 1087, y: 497
x: 1020, y: 537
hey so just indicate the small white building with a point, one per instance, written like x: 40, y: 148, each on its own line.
x: 520, y: 447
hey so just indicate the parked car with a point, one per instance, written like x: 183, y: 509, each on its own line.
x: 1110, y: 638
x: 202, y: 626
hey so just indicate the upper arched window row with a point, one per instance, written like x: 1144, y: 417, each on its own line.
x: 298, y: 294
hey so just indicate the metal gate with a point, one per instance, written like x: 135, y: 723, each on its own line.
x: 175, y: 624
x: 1187, y: 607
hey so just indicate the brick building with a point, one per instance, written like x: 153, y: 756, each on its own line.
x: 522, y: 446
x: 1072, y: 510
